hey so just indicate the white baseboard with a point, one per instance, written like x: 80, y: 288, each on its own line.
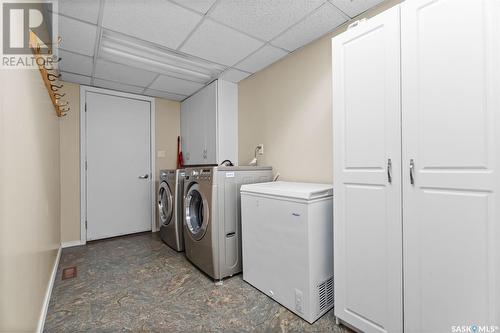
x: 72, y: 243
x: 46, y: 301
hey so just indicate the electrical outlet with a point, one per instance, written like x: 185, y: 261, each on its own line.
x: 260, y: 149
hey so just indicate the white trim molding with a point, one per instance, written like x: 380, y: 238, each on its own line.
x: 72, y: 243
x: 83, y: 152
x: 48, y: 293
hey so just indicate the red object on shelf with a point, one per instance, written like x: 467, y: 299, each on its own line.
x: 180, y: 159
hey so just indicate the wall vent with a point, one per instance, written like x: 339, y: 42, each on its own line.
x: 326, y: 294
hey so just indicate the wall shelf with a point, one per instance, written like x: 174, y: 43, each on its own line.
x: 50, y: 77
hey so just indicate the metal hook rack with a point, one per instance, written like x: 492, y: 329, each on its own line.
x: 55, y: 87
x: 50, y: 79
x: 53, y: 77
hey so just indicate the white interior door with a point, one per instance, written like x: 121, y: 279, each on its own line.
x: 118, y: 148
x: 451, y: 132
x: 367, y: 140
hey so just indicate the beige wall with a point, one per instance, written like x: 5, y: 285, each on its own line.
x: 29, y: 197
x: 70, y: 166
x: 167, y: 129
x: 288, y: 108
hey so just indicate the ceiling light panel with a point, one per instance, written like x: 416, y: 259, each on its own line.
x: 85, y: 10
x: 77, y: 36
x: 201, y: 6
x: 163, y: 94
x: 215, y: 42
x: 75, y: 63
x: 118, y: 86
x: 234, y: 75
x: 123, y: 74
x: 175, y: 85
x: 262, y: 58
x: 263, y: 18
x: 157, y: 21
x: 139, y: 54
x: 355, y: 7
x: 325, y: 19
x: 75, y: 78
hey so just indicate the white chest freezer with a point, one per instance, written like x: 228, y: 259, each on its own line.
x: 287, y: 244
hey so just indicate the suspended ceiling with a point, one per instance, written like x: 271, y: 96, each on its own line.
x: 233, y: 38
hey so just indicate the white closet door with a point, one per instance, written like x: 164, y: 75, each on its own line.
x: 451, y: 131
x: 366, y: 121
x: 197, y: 129
x: 210, y: 123
x: 186, y: 130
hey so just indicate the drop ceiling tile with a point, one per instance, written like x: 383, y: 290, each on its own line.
x: 85, y: 10
x: 164, y: 94
x: 234, y: 75
x: 263, y: 18
x: 175, y: 85
x: 318, y: 24
x: 355, y: 7
x: 75, y: 63
x: 75, y: 78
x: 262, y: 58
x: 215, y: 42
x: 77, y: 36
x: 157, y: 21
x: 123, y: 74
x: 201, y: 6
x: 118, y: 86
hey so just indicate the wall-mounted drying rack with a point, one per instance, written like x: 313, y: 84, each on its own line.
x: 50, y: 77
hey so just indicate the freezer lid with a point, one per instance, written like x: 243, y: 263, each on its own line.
x: 305, y: 191
x: 244, y: 168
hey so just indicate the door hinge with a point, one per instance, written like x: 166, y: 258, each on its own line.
x: 85, y: 224
x: 85, y: 165
x: 85, y: 106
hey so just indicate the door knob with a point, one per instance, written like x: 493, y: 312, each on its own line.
x: 144, y: 177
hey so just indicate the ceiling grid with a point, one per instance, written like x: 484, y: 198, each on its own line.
x: 171, y: 48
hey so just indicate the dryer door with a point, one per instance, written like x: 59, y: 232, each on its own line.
x: 196, y: 212
x: 165, y: 204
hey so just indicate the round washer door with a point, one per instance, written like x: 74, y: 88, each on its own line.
x: 196, y: 212
x: 165, y: 204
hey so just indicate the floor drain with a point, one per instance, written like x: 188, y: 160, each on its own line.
x: 69, y: 273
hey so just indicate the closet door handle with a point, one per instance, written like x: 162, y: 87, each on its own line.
x: 412, y: 172
x: 389, y: 170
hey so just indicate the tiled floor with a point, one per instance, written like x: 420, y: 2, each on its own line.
x: 138, y: 284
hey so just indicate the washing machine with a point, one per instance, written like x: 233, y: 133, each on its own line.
x: 170, y: 202
x: 212, y: 218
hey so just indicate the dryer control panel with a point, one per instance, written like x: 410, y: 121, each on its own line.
x: 206, y: 174
x: 202, y: 174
